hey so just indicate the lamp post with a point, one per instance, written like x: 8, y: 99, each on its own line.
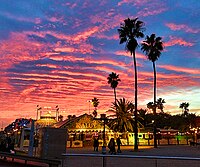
x: 103, y: 117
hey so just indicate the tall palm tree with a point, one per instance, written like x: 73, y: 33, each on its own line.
x: 95, y: 103
x: 122, y: 117
x: 152, y: 47
x: 184, y: 107
x: 129, y: 31
x: 113, y: 80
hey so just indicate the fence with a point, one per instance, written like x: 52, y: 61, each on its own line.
x: 99, y: 160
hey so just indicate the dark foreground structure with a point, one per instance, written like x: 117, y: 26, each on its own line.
x: 163, y: 156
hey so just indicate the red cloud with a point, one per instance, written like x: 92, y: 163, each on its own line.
x: 124, y: 53
x: 84, y: 35
x: 180, y: 69
x: 177, y: 41
x: 149, y: 12
x: 183, y: 27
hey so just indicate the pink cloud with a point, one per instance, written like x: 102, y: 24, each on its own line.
x: 149, y: 12
x: 106, y: 22
x: 177, y: 41
x: 65, y: 49
x: 183, y: 27
x: 70, y: 5
x: 124, y: 53
x: 134, y: 2
x: 21, y: 49
x: 151, y: 7
x: 180, y: 69
x: 87, y: 33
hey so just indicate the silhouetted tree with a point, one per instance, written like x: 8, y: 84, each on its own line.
x: 129, y: 31
x: 151, y: 105
x: 95, y: 103
x: 160, y: 104
x: 184, y: 107
x: 152, y: 47
x: 113, y: 80
x: 122, y: 118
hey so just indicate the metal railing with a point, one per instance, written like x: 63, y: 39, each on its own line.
x: 101, y: 160
x: 24, y: 159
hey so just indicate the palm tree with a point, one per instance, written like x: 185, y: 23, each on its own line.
x: 95, y: 103
x: 113, y: 80
x: 150, y: 105
x: 184, y: 107
x: 129, y: 30
x: 122, y: 118
x: 153, y: 46
x: 159, y: 104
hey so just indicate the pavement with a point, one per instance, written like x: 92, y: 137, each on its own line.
x: 183, y: 151
x: 168, y: 150
x: 183, y: 155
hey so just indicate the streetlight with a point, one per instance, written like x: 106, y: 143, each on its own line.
x: 103, y: 117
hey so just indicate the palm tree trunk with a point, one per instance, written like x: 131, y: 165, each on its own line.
x: 154, y: 87
x: 115, y: 95
x: 154, y: 108
x: 135, y: 112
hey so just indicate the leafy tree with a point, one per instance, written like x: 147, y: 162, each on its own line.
x: 95, y: 103
x: 160, y: 104
x: 163, y: 120
x: 152, y: 47
x: 151, y: 106
x: 183, y: 123
x: 122, y: 116
x: 129, y: 31
x: 113, y: 80
x: 184, y: 107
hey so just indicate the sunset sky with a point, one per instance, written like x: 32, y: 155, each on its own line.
x: 61, y: 53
